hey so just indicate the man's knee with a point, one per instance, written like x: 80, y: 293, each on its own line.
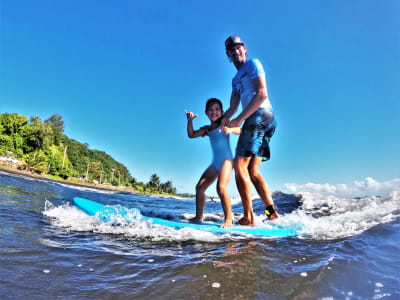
x: 254, y: 174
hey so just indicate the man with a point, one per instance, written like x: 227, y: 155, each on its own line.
x: 250, y: 89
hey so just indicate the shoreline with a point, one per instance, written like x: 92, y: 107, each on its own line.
x: 121, y: 189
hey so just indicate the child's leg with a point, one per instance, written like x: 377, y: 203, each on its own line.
x: 205, y: 181
x: 223, y: 180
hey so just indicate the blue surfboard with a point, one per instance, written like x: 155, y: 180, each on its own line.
x: 105, y: 212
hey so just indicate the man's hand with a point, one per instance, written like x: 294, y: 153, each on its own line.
x: 235, y: 123
x: 225, y: 122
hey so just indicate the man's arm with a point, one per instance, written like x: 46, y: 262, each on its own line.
x: 260, y: 96
x: 234, y: 104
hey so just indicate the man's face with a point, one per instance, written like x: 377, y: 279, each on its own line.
x: 237, y: 53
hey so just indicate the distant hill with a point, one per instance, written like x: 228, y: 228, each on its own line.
x: 44, y: 148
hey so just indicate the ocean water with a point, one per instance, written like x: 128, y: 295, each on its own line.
x: 346, y: 249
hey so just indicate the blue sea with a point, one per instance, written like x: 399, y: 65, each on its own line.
x: 347, y: 248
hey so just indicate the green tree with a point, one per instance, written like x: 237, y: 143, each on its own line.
x: 55, y: 158
x: 6, y: 144
x: 168, y: 188
x: 95, y: 170
x: 36, y: 161
x: 11, y: 123
x: 57, y: 124
x: 154, y: 182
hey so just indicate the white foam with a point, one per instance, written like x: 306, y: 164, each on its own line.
x: 318, y: 217
x: 83, y: 188
x: 71, y: 218
x: 330, y: 217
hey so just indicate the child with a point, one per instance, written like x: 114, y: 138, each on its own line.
x: 222, y: 163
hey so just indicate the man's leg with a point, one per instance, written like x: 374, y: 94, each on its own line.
x: 260, y: 184
x: 243, y: 184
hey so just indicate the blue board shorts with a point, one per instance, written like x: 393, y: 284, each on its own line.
x: 256, y: 133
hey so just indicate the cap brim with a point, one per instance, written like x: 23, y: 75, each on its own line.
x: 231, y: 45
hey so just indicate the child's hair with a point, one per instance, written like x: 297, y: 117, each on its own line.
x: 212, y: 101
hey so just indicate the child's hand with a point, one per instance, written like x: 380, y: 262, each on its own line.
x: 234, y: 130
x: 190, y: 116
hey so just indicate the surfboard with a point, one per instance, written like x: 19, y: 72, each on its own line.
x: 105, y: 212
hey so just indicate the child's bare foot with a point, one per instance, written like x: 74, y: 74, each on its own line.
x: 227, y: 224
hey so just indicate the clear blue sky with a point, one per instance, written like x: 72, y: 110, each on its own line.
x: 121, y: 73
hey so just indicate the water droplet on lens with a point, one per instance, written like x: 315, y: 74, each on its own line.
x: 216, y: 285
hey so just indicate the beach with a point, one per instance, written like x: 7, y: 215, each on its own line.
x: 79, y: 183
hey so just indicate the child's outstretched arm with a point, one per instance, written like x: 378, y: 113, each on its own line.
x: 191, y: 132
x: 234, y: 130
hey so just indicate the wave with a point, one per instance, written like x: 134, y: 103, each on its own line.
x: 82, y: 188
x: 314, y: 216
x: 330, y: 217
x: 70, y: 218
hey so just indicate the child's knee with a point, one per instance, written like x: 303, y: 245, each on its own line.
x: 200, y: 188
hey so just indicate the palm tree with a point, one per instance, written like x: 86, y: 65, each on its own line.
x: 154, y: 181
x: 36, y: 161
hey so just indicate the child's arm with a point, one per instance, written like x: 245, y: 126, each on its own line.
x: 191, y: 132
x: 234, y: 130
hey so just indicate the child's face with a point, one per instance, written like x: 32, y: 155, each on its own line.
x: 214, y: 112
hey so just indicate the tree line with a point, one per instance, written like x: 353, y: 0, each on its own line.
x: 45, y: 149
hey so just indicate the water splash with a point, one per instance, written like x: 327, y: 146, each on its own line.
x: 330, y: 217
x: 316, y: 217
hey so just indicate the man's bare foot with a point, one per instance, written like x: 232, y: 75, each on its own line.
x: 227, y: 224
x: 246, y: 222
x: 273, y: 216
x: 195, y: 219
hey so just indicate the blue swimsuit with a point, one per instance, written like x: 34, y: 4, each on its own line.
x: 220, y: 146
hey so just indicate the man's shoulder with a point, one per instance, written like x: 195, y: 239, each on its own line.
x: 254, y: 68
x: 253, y: 62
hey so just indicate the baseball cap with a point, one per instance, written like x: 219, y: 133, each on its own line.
x: 233, y: 40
